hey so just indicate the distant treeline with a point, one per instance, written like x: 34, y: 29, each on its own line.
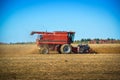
x: 86, y: 41
x: 97, y: 41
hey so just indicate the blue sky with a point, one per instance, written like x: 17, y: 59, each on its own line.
x: 88, y: 18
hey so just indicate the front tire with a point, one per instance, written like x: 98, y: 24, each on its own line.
x: 66, y: 48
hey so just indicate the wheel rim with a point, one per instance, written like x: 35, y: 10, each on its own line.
x: 66, y: 49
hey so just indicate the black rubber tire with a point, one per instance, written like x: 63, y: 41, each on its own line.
x: 81, y: 50
x: 44, y: 50
x: 65, y: 48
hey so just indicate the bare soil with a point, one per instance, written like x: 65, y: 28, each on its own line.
x: 23, y: 62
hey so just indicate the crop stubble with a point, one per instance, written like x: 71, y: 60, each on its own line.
x: 22, y: 62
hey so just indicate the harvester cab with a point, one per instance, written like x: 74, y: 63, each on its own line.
x: 71, y: 37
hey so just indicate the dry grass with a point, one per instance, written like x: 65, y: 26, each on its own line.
x: 32, y: 48
x: 19, y: 49
x: 106, y: 48
x: 21, y: 62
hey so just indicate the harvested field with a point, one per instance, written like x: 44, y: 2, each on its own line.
x: 22, y: 62
x: 106, y: 48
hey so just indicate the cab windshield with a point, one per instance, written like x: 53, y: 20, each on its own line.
x: 71, y: 37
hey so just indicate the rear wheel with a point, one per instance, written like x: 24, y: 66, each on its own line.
x: 44, y: 50
x: 66, y: 48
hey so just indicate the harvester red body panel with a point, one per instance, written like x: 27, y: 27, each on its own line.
x: 57, y: 37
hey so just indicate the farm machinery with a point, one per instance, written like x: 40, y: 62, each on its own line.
x: 59, y: 41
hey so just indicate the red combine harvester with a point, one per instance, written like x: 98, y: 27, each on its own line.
x: 58, y: 41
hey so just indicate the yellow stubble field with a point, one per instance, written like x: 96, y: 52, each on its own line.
x: 23, y: 62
